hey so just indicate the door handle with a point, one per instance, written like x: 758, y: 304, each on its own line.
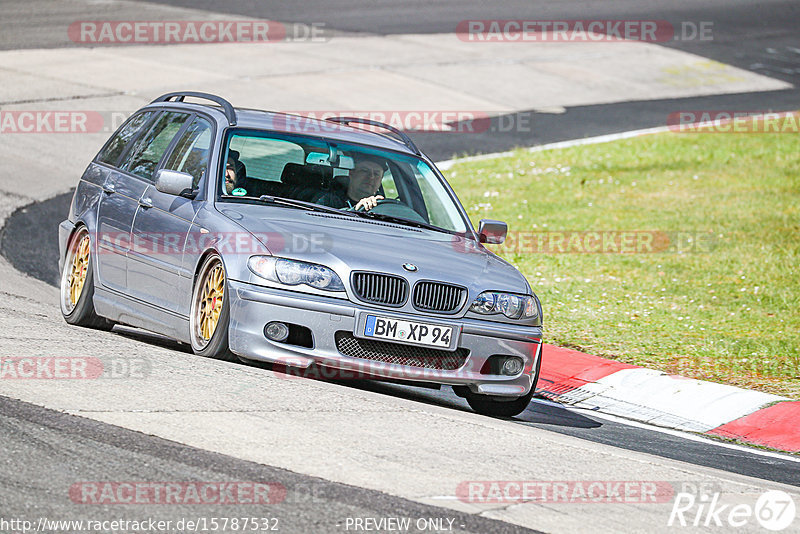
x: 109, y: 189
x: 146, y: 203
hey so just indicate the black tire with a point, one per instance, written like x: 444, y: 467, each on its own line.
x: 80, y: 311
x: 488, y: 405
x: 491, y: 406
x: 216, y: 346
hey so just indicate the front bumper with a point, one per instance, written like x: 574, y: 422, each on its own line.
x: 252, y: 307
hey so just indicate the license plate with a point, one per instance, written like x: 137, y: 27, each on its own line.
x: 432, y: 335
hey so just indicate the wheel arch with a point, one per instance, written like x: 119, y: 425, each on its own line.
x: 202, y: 259
x: 77, y: 227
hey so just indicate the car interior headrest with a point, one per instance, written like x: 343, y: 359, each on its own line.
x: 299, y: 174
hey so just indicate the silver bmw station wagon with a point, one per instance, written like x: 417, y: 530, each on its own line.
x: 332, y: 244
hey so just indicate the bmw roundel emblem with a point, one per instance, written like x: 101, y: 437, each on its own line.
x: 410, y: 267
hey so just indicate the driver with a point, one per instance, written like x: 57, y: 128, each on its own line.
x: 362, y: 188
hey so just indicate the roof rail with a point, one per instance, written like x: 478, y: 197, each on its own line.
x: 179, y: 96
x: 403, y: 137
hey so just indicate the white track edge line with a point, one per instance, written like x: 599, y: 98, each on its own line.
x: 678, y: 433
x: 444, y: 165
x: 607, y: 138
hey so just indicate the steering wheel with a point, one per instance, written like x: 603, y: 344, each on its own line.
x: 396, y: 208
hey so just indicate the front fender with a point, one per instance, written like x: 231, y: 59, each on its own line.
x: 65, y: 230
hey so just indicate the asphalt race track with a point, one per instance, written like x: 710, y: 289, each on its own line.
x: 31, y: 435
x: 341, y: 450
x: 40, y: 261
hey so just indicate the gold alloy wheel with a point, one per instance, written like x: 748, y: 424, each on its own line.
x: 211, y: 299
x: 80, y: 266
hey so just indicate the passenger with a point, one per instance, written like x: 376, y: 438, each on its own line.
x: 362, y: 188
x: 235, y: 176
x: 230, y: 176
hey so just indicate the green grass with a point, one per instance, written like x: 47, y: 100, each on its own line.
x: 724, y: 309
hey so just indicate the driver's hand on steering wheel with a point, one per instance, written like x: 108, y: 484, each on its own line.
x: 367, y: 203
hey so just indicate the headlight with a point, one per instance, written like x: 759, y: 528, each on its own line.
x: 511, y: 305
x: 295, y: 273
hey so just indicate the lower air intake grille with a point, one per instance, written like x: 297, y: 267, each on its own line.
x: 382, y: 351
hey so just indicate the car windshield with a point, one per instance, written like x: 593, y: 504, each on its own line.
x: 397, y: 187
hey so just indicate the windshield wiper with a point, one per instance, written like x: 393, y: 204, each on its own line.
x: 300, y: 204
x: 350, y: 213
x: 399, y: 220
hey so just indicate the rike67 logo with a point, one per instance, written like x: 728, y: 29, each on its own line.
x: 774, y: 510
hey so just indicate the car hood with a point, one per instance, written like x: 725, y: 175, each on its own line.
x: 348, y: 244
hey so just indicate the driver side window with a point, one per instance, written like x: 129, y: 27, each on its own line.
x: 148, y: 150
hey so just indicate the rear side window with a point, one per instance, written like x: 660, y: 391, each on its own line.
x: 148, y: 150
x: 191, y: 153
x: 114, y: 149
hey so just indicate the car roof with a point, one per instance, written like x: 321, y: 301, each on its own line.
x: 294, y: 124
